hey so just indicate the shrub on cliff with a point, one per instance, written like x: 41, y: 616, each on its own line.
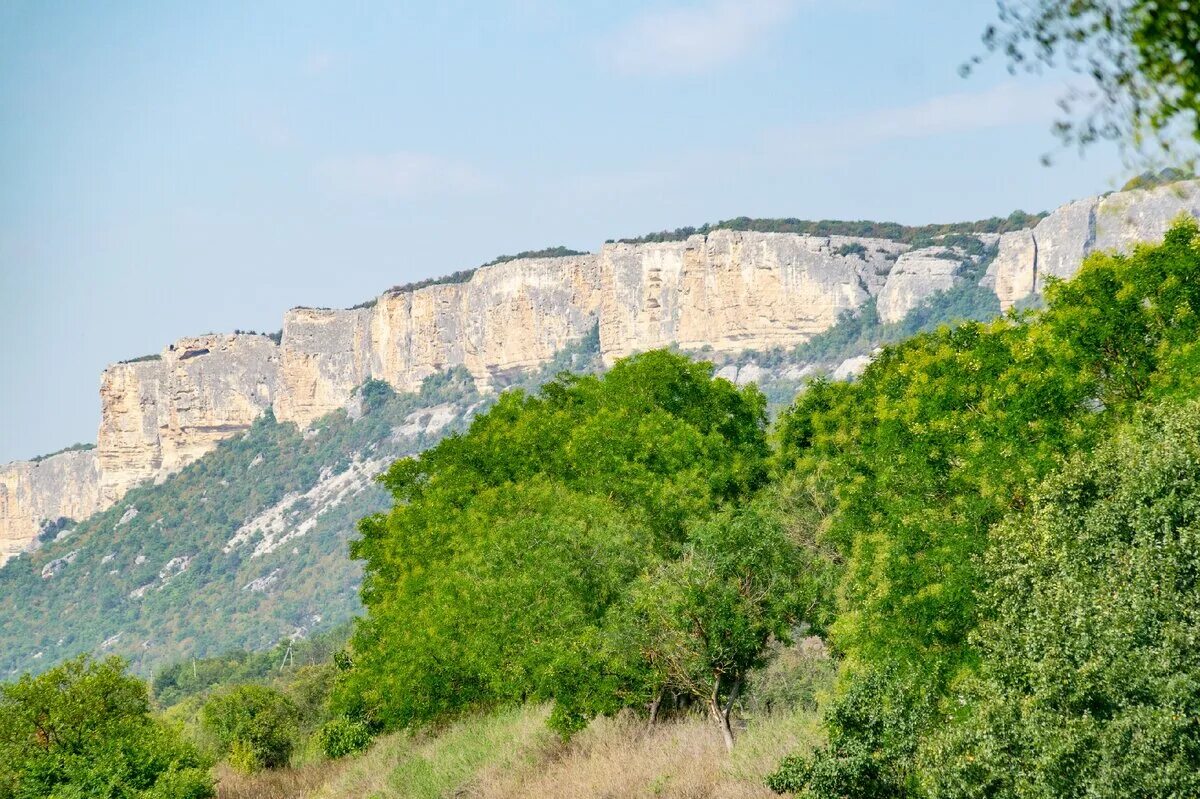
x: 83, y: 729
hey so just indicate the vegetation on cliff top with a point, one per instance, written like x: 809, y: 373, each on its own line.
x: 917, y: 236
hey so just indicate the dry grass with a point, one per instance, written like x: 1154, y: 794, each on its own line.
x: 432, y: 766
x: 290, y: 783
x: 511, y: 755
x: 678, y: 760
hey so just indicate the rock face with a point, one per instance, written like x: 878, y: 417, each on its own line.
x: 918, y: 274
x: 159, y: 415
x: 506, y: 318
x: 733, y: 290
x: 728, y: 291
x: 35, y: 494
x: 1059, y: 243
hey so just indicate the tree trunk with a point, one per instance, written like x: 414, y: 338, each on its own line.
x: 720, y: 715
x: 654, y: 708
x: 721, y: 719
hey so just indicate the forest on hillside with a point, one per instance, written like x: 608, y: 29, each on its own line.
x: 976, y: 565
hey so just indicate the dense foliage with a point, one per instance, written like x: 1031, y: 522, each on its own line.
x: 83, y: 729
x: 1089, y: 680
x: 255, y: 725
x: 942, y: 439
x: 492, y: 578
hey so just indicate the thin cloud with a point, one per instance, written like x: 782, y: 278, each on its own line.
x: 1004, y: 105
x: 689, y: 40
x: 402, y: 175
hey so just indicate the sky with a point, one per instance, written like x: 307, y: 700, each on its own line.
x: 175, y: 168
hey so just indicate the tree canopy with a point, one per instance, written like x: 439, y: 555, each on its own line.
x: 1141, y: 56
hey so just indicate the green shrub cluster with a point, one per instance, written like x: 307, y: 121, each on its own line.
x: 256, y: 726
x: 1012, y: 507
x: 84, y: 729
x: 921, y: 235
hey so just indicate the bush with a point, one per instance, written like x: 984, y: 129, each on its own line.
x: 255, y: 726
x: 84, y: 729
x: 792, y: 680
x: 341, y: 737
x: 1090, y: 677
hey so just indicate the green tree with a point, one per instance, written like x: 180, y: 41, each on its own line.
x: 83, y: 729
x: 489, y: 580
x: 1142, y: 56
x: 256, y: 726
x: 1090, y: 676
x: 702, y: 622
x: 946, y: 435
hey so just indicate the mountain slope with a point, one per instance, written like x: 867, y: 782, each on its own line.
x: 240, y: 548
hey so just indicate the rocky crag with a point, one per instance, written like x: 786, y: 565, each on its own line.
x: 723, y: 292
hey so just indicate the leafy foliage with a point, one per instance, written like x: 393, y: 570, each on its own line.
x: 1090, y: 675
x: 699, y: 624
x: 72, y: 448
x: 1142, y: 56
x: 490, y: 579
x: 196, y: 676
x: 941, y: 439
x: 921, y: 235
x: 256, y: 726
x: 342, y: 736
x: 545, y: 252
x: 83, y: 729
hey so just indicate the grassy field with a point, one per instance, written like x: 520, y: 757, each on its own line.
x: 510, y: 753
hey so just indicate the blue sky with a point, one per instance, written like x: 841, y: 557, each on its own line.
x: 172, y: 168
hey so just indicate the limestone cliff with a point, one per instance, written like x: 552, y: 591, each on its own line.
x: 725, y: 291
x: 159, y: 415
x: 36, y: 494
x: 1059, y: 243
x: 507, y: 317
x: 733, y: 290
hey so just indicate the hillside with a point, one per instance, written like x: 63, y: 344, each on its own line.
x: 180, y: 527
x: 727, y: 290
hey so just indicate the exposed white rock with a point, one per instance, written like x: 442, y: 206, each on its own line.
x: 918, y: 275
x: 851, y: 367
x: 1057, y: 246
x: 727, y: 372
x: 751, y: 373
x: 55, y: 566
x: 427, y: 421
x: 261, y: 584
x: 298, y: 513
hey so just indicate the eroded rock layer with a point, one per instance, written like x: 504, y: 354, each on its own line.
x: 159, y: 415
x: 1058, y: 245
x: 728, y: 290
x: 38, y: 496
x: 733, y: 290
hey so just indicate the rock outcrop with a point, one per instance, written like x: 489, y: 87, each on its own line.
x: 505, y: 318
x: 726, y: 291
x: 733, y: 290
x: 1058, y: 245
x: 161, y: 414
x: 35, y: 495
x: 918, y: 275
